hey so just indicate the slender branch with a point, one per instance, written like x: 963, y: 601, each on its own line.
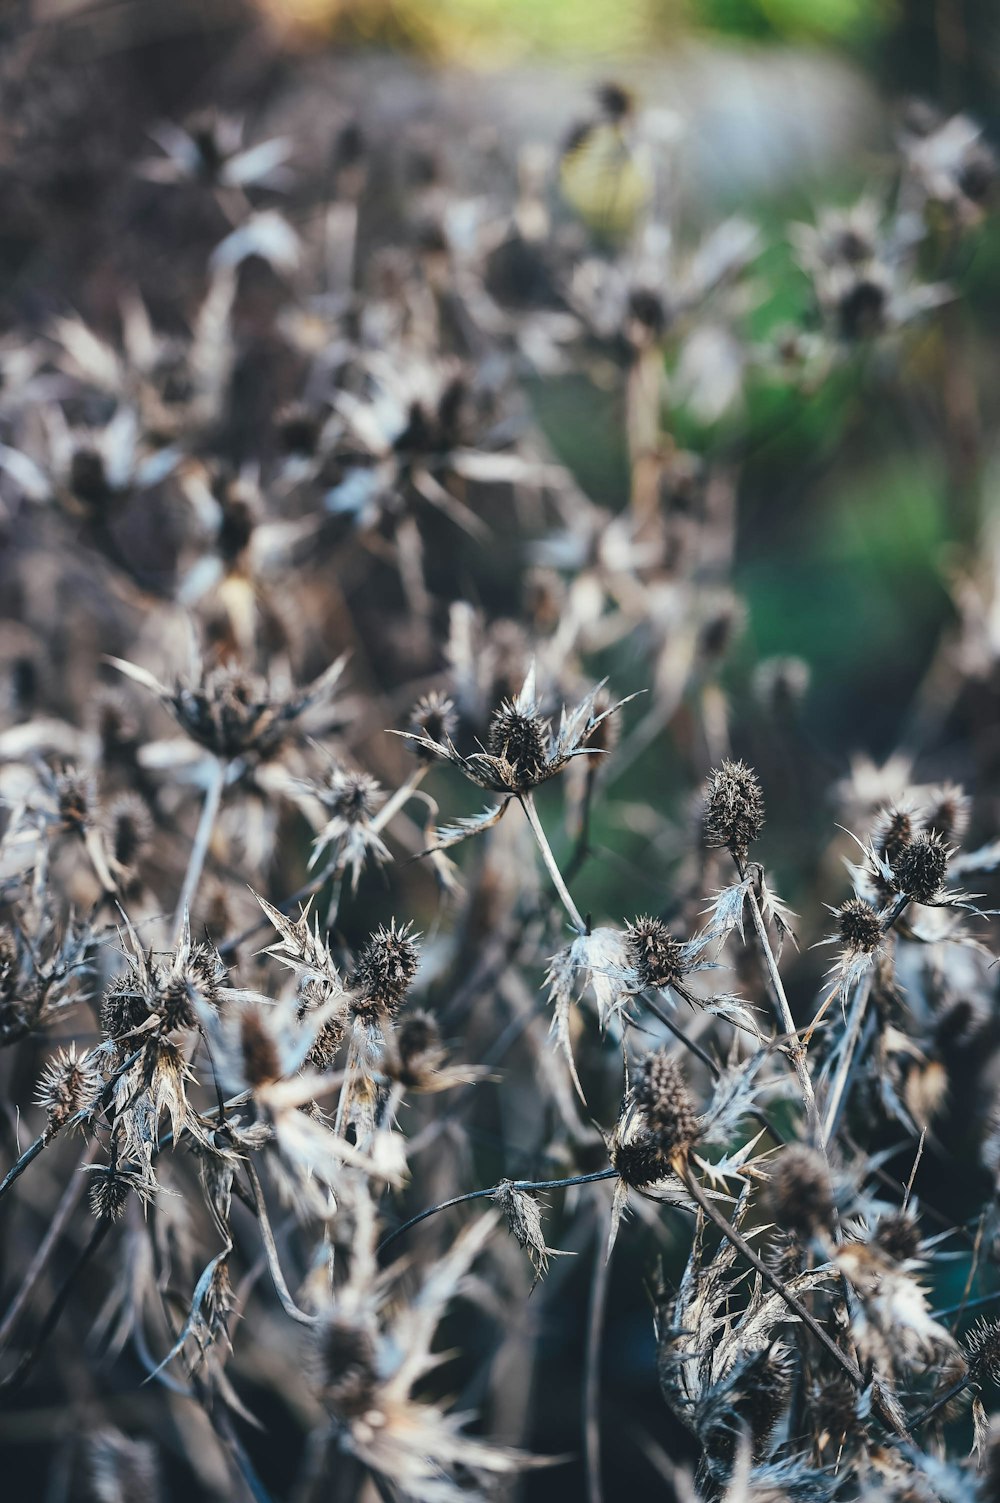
x: 528, y: 805
x: 592, y: 1381
x: 517, y: 1184
x: 405, y: 791
x: 199, y: 850
x: 855, y: 1020
x: 786, y: 1022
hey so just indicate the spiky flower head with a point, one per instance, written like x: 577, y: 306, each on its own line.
x: 524, y: 1223
x: 433, y: 718
x: 799, y: 1192
x: 898, y: 1236
x: 351, y: 797
x: 521, y: 740
x: 345, y: 1365
x: 638, y: 1157
x: 260, y: 1056
x: 733, y: 808
x: 69, y: 1083
x: 655, y: 955
x: 383, y: 972
x: 130, y: 828
x: 947, y: 812
x: 894, y: 827
x: 112, y: 1187
x: 921, y: 866
x: 859, y: 926
x: 125, y: 1005
x: 982, y: 1351
x: 418, y: 1049
x: 661, y: 1094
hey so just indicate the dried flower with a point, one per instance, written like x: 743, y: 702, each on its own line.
x: 859, y: 926
x: 661, y: 1094
x: 799, y: 1192
x: 383, y: 972
x: 733, y: 808
x: 920, y: 867
x: 69, y: 1084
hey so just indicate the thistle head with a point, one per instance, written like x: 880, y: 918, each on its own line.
x: 662, y: 1096
x: 799, y: 1192
x: 383, y: 972
x: 345, y: 1364
x: 655, y: 955
x: 859, y: 926
x: 434, y: 718
x: 921, y: 866
x: 733, y: 808
x: 522, y: 740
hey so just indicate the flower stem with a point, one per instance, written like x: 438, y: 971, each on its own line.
x: 199, y: 850
x: 528, y: 805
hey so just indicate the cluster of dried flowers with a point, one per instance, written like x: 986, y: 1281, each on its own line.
x: 214, y: 998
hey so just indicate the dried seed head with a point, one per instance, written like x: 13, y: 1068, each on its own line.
x: 130, y: 826
x: 385, y: 967
x: 350, y: 796
x: 69, y: 1083
x: 433, y: 717
x: 233, y: 714
x: 418, y: 1048
x: 947, y: 813
x: 124, y: 1006
x: 733, y: 809
x: 75, y: 800
x: 921, y: 867
x: 661, y: 1094
x: 117, y: 728
x: 654, y: 954
x: 345, y: 1364
x: 524, y: 1223
x: 261, y: 1061
x: 833, y: 1411
x: 763, y: 1396
x: 898, y: 1236
x: 521, y: 740
x: 799, y: 1192
x: 109, y: 1193
x: 859, y: 925
x: 640, y: 1159
x: 982, y: 1350
x: 893, y: 829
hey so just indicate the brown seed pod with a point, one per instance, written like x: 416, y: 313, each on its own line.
x: 733, y: 808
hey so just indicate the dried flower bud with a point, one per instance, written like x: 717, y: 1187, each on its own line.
x: 661, y: 1094
x: 654, y: 954
x: 799, y: 1192
x: 259, y: 1054
x: 898, y: 1236
x: 733, y: 812
x: 385, y: 967
x: 345, y: 1365
x: 921, y: 866
x: 351, y: 797
x: 111, y: 1189
x: 125, y: 1005
x: 433, y: 717
x: 947, y: 813
x: 639, y: 1158
x: 982, y: 1351
x: 418, y: 1050
x: 524, y: 1223
x: 130, y: 826
x: 780, y: 683
x: 892, y: 830
x: 323, y: 1050
x: 859, y: 926
x: 69, y: 1083
x: 75, y: 799
x: 521, y: 740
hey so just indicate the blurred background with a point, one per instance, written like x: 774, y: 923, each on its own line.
x: 865, y: 497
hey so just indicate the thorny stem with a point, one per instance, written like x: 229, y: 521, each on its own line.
x: 592, y: 1383
x: 793, y: 1302
x: 199, y: 850
x: 528, y: 805
x: 517, y: 1184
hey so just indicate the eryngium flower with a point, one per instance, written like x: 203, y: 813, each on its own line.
x: 982, y: 1349
x: 733, y: 809
x: 383, y: 972
x: 898, y: 1235
x: 859, y: 925
x: 657, y: 958
x: 112, y: 1187
x: 433, y: 718
x: 344, y: 1357
x: 233, y: 713
x: 69, y: 1083
x: 921, y: 866
x: 799, y: 1192
x: 522, y: 749
x: 661, y: 1094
